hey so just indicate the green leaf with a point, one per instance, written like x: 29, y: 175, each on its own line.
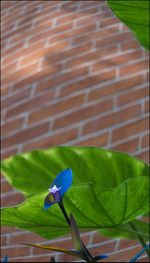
x: 109, y: 190
x: 78, y: 244
x: 125, y: 231
x: 135, y: 14
x: 33, y: 172
x: 75, y: 235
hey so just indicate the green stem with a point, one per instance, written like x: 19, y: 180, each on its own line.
x: 140, y: 238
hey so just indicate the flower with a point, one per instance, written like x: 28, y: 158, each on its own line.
x: 59, y: 186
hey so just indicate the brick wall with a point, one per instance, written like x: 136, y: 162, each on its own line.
x: 72, y: 74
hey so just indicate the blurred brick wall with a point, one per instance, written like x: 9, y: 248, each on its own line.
x: 72, y: 74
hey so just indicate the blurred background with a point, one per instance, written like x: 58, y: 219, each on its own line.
x: 72, y: 74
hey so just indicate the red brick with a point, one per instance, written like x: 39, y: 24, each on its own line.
x: 97, y: 141
x: 4, y: 240
x: 97, y: 238
x: 130, y: 129
x: 11, y: 100
x: 130, y: 45
x: 123, y: 256
x: 134, y: 67
x: 8, y: 69
x: 43, y: 53
x: 2, y: 115
x: 145, y: 141
x: 15, y: 251
x: 129, y: 147
x: 17, y: 75
x: 34, y: 259
x: 46, y: 85
x: 56, y: 108
x: 120, y: 85
x: 144, y: 156
x: 52, y: 69
x: 125, y: 243
x: 108, y: 21
x: 10, y: 200
x: 103, y: 249
x: 67, y: 258
x: 96, y: 35
x: 25, y: 135
x: 26, y: 238
x: 5, y: 90
x: 146, y: 259
x: 51, y: 32
x: 85, y: 238
x: 37, y: 34
x: 14, y: 48
x: 5, y: 187
x: 17, y: 31
x: 82, y: 21
x: 75, y: 15
x: 66, y: 54
x: 26, y: 29
x: 30, y: 104
x: 115, y: 39
x: 67, y: 35
x: 20, y: 51
x: 90, y: 57
x: 53, y: 140
x: 82, y: 114
x: 146, y: 106
x: 116, y: 61
x: 11, y: 126
x: 9, y: 229
x: 8, y: 153
x: 113, y: 119
x: 39, y: 18
x: 132, y: 96
x: 88, y: 82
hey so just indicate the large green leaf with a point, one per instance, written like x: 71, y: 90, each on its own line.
x: 110, y: 189
x: 90, y: 204
x: 135, y: 14
x: 34, y: 171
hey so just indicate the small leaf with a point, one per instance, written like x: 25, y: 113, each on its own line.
x: 78, y: 244
x: 62, y: 250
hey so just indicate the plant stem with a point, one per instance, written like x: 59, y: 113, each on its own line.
x: 61, y: 205
x: 140, y: 238
x: 88, y: 258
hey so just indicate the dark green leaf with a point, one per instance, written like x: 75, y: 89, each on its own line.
x: 135, y: 14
